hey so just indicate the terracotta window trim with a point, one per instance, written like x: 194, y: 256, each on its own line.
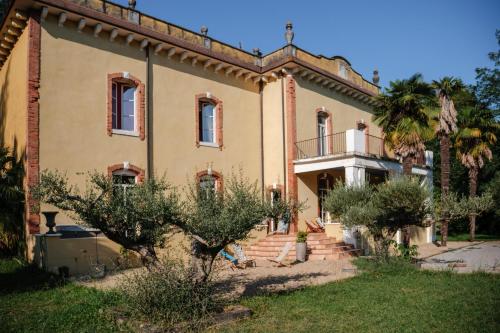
x: 329, y: 126
x: 207, y: 97
x: 140, y: 173
x: 127, y: 78
x: 219, y: 179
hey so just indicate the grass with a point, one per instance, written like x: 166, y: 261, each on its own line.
x: 390, y: 298
x: 34, y: 301
x: 465, y: 237
x: 395, y: 298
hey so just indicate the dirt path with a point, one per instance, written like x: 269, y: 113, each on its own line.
x: 263, y: 278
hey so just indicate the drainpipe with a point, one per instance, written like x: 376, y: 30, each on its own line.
x: 261, y: 93
x: 149, y: 118
x: 284, y: 135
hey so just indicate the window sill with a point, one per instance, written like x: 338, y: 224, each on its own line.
x: 209, y: 144
x: 127, y: 133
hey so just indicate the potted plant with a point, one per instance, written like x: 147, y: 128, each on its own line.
x: 301, y: 246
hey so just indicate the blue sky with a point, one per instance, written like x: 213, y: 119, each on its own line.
x: 399, y: 37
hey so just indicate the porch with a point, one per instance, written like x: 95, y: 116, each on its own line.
x: 352, y: 158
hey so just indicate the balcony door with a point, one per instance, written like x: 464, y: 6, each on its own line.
x: 325, y: 184
x: 322, y: 135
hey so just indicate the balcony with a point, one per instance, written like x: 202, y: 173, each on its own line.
x: 350, y: 142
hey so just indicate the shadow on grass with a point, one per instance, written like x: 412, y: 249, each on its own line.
x: 262, y: 286
x: 17, y: 276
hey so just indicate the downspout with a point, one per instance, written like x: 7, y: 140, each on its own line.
x: 284, y: 135
x: 149, y: 118
x: 261, y: 93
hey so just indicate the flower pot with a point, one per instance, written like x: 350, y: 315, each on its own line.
x: 301, y: 251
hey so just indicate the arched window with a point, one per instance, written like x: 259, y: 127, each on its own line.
x: 208, y: 120
x: 125, y: 105
x: 324, y: 130
x: 209, y: 180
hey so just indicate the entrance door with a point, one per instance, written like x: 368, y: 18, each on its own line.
x: 325, y: 183
x: 322, y: 135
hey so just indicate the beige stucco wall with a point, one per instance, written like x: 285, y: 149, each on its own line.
x: 273, y: 133
x: 73, y: 96
x: 175, y: 152
x: 345, y: 111
x: 13, y: 96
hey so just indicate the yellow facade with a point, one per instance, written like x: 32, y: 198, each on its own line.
x: 175, y: 65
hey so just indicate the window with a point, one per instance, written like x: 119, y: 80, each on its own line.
x: 207, y: 122
x: 123, y: 106
x: 209, y: 180
x: 343, y: 71
x: 325, y: 184
x: 322, y: 134
x: 208, y: 112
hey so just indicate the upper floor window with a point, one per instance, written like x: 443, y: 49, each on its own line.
x: 125, y: 105
x: 208, y: 120
x: 343, y: 71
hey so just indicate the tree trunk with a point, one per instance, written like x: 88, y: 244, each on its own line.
x: 407, y: 165
x: 202, y: 260
x: 472, y: 193
x: 149, y: 259
x: 407, y: 171
x: 445, y: 183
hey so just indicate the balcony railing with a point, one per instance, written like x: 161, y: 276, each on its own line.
x: 351, y: 141
x: 332, y: 144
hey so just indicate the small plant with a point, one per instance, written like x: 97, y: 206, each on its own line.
x: 170, y: 294
x: 301, y: 237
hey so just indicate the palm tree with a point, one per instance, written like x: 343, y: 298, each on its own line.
x: 11, y: 202
x: 445, y: 89
x: 475, y: 136
x: 404, y: 113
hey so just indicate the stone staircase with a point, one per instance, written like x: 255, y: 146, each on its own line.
x: 319, y: 247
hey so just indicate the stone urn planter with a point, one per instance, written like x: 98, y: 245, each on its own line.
x: 301, y: 246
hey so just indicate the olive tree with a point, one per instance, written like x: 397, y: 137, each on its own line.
x: 383, y: 209
x: 217, y: 218
x: 138, y: 217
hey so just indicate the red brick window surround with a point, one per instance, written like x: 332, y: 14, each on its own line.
x: 210, y: 178
x: 323, y: 114
x: 123, y: 171
x: 208, y: 121
x: 125, y: 105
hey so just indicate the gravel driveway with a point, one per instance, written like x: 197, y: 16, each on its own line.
x: 477, y: 257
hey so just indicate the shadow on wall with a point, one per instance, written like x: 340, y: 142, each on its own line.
x: 12, y: 222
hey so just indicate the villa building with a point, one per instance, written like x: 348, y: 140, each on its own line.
x: 92, y: 85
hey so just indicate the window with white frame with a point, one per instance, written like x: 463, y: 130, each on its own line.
x: 124, y: 179
x: 207, y: 122
x: 343, y: 71
x: 124, y: 115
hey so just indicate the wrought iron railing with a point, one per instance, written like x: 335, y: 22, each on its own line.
x: 332, y: 144
x: 374, y: 146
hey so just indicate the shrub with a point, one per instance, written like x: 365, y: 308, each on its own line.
x: 301, y: 237
x: 170, y: 294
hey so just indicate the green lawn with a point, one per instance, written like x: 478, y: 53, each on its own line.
x: 389, y: 300
x: 465, y: 237
x: 31, y: 301
x: 392, y: 299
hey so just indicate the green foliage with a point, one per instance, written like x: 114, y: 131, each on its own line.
x: 301, y: 237
x: 405, y: 114
x: 494, y: 189
x: 137, y: 217
x: 458, y: 208
x: 487, y: 88
x: 219, y: 218
x: 169, y: 294
x: 383, y: 208
x: 11, y: 203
